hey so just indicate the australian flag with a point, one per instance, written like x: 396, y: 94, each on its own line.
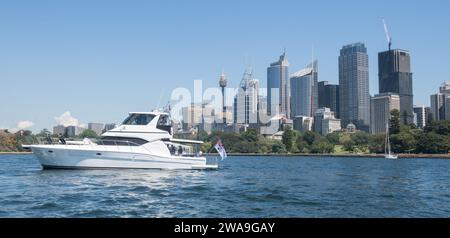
x: 220, y: 149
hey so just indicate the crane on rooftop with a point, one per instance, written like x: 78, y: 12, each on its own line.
x: 388, y: 36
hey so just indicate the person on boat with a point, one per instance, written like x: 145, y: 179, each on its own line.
x: 49, y: 140
x: 61, y: 139
x: 172, y: 149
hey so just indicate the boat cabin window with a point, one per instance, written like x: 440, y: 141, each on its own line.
x: 114, y: 140
x: 138, y: 119
x: 165, y: 123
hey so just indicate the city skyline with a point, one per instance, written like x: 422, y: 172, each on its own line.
x: 76, y: 56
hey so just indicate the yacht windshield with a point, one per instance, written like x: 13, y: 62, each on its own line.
x: 138, y: 119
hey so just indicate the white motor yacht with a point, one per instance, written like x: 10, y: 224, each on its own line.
x: 143, y: 141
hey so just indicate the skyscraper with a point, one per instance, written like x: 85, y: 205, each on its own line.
x: 354, y: 94
x: 278, y: 88
x: 394, y: 72
x: 304, y: 91
x: 192, y: 116
x: 381, y: 107
x: 328, y: 95
x: 246, y: 101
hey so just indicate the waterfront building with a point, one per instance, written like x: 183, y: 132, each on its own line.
x: 394, y: 72
x: 74, y: 131
x: 421, y: 114
x: 304, y: 91
x: 96, y: 127
x: 381, y: 107
x: 59, y: 130
x: 303, y: 123
x: 278, y: 88
x: 440, y: 103
x: 354, y: 94
x: 325, y: 121
x: 328, y: 96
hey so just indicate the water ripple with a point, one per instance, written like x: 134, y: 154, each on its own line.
x: 243, y: 187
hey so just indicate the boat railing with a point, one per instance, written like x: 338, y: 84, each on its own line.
x: 82, y: 143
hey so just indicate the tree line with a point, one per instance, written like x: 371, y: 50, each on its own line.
x: 12, y: 142
x: 405, y: 138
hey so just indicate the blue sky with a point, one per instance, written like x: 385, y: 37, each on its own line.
x: 101, y: 59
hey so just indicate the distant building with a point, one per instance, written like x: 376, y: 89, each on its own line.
x: 351, y: 128
x: 440, y: 103
x: 278, y: 87
x: 110, y: 126
x: 325, y: 122
x: 74, y: 131
x: 304, y: 91
x: 208, y: 118
x: 381, y: 107
x: 328, y: 96
x: 421, y: 114
x: 354, y: 94
x: 303, y: 124
x: 246, y: 100
x: 192, y: 116
x: 59, y: 130
x: 394, y: 71
x: 96, y: 127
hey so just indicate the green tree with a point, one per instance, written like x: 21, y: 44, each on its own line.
x: 8, y: 142
x: 439, y: 127
x: 322, y: 146
x: 88, y: 133
x: 361, y: 139
x: 405, y: 117
x: 278, y: 147
x: 250, y: 135
x: 288, y: 138
x: 433, y: 143
x: 310, y: 137
x: 349, y: 145
x: 44, y: 133
x: 376, y: 143
x: 333, y: 138
x: 394, y: 122
x: 206, y: 147
x: 403, y: 142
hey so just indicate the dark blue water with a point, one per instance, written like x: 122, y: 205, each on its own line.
x: 243, y: 187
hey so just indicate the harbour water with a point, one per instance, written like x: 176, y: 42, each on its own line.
x: 242, y: 187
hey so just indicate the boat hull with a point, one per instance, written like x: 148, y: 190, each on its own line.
x: 62, y: 158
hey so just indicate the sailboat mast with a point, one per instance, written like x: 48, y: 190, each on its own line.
x: 388, y: 142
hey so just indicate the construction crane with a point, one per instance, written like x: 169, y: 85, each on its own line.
x: 388, y: 36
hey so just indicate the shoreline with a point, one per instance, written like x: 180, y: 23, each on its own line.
x: 16, y: 153
x: 402, y: 156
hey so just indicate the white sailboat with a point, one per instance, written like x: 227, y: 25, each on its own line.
x: 387, y: 147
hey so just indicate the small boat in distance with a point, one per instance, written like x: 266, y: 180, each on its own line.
x: 143, y: 141
x: 387, y: 147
